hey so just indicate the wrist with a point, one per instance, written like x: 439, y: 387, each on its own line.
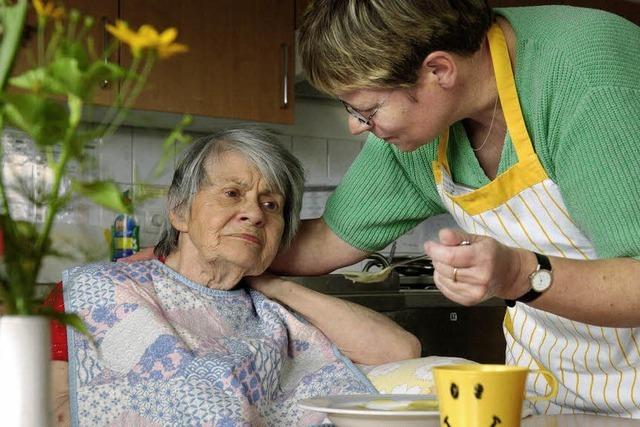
x: 280, y: 290
x: 527, y: 263
x: 538, y: 282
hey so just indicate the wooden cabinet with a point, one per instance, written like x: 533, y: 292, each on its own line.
x: 240, y: 62
x: 103, y: 11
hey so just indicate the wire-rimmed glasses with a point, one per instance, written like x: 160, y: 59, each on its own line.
x: 361, y: 117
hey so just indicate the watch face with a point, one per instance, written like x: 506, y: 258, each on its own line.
x: 541, y: 280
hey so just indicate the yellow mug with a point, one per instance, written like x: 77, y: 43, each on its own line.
x: 484, y: 395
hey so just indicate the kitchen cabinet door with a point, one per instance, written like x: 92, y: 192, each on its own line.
x: 240, y: 62
x: 103, y: 11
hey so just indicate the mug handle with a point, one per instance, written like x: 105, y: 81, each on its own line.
x: 551, y: 380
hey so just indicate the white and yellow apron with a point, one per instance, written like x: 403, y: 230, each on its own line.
x: 597, y: 368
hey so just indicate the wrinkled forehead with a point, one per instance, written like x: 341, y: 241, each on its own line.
x: 234, y: 167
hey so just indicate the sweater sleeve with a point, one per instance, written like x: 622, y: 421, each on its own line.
x: 384, y: 194
x: 597, y: 169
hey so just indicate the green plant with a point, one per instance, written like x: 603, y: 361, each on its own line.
x: 47, y: 102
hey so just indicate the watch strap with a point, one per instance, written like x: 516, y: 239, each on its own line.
x: 532, y: 294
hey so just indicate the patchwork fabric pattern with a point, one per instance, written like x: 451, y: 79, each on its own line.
x: 167, y: 351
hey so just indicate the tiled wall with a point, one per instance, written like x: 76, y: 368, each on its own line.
x: 319, y: 138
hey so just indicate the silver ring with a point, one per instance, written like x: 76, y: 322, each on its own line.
x: 455, y: 273
x: 465, y: 243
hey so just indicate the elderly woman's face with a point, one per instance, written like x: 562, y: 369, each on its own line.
x: 236, y: 219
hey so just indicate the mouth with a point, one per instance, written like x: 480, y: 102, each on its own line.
x: 495, y: 422
x: 248, y: 238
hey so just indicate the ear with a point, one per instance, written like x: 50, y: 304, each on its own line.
x: 442, y: 67
x: 179, y: 221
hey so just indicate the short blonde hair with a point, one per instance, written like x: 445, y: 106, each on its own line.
x: 355, y: 44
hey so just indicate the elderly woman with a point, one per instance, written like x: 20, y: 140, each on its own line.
x: 185, y: 342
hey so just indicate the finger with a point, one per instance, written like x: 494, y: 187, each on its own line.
x: 448, y: 271
x: 457, y: 256
x: 460, y: 292
x: 453, y: 236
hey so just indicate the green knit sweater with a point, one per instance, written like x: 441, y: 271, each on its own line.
x: 578, y: 79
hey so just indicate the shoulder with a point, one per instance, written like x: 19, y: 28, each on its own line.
x: 584, y: 46
x: 110, y: 273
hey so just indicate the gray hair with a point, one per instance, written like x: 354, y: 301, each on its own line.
x: 282, y: 171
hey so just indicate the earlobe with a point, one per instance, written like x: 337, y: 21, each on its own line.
x: 178, y: 221
x: 442, y: 66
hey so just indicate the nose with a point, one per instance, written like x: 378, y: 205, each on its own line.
x: 356, y: 127
x: 252, y: 213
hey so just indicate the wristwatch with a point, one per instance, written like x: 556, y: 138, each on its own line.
x: 540, y: 280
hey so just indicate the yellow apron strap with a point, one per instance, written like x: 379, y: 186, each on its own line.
x: 508, y: 93
x: 442, y: 151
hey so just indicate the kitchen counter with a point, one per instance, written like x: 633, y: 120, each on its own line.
x: 577, y: 421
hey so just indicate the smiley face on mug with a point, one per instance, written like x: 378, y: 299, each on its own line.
x: 466, y: 398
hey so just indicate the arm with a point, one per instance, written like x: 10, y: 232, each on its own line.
x: 315, y: 250
x: 363, y: 335
x: 60, y: 393
x: 601, y: 292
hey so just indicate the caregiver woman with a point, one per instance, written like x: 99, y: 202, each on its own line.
x: 522, y: 123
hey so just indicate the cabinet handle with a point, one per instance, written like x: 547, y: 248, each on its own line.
x: 285, y: 75
x: 105, y: 84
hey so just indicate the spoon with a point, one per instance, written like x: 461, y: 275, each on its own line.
x: 377, y: 276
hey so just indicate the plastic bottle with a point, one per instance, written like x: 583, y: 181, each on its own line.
x: 125, y: 239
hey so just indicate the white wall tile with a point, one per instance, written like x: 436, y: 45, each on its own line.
x: 151, y: 214
x: 341, y: 154
x: 147, y: 152
x: 115, y: 156
x: 312, y: 152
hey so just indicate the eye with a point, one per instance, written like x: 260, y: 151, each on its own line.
x: 232, y: 193
x: 454, y: 390
x: 271, y: 206
x: 477, y: 391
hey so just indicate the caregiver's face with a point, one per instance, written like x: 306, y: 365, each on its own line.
x: 405, y: 117
x: 236, y: 218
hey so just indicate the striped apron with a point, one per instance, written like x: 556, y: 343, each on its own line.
x: 597, y: 368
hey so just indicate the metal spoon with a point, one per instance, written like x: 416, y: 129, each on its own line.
x: 377, y: 276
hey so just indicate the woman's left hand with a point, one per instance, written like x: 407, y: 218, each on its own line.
x: 470, y: 268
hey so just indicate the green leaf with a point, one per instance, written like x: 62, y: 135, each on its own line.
x: 37, y: 80
x: 66, y: 73
x: 100, y: 70
x: 73, y: 50
x: 104, y: 193
x: 70, y: 319
x: 176, y: 141
x: 43, y: 119
x: 75, y: 110
x: 12, y: 18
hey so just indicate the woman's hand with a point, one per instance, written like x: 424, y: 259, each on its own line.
x: 471, y: 273
x: 270, y: 285
x: 144, y: 254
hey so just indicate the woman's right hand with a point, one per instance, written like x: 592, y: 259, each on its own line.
x: 144, y: 254
x: 270, y: 285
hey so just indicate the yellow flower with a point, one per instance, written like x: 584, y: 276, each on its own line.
x: 166, y: 47
x: 48, y: 10
x: 147, y: 37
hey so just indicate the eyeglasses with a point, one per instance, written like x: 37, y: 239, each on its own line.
x: 359, y: 116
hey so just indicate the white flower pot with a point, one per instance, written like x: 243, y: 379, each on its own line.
x: 24, y: 371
